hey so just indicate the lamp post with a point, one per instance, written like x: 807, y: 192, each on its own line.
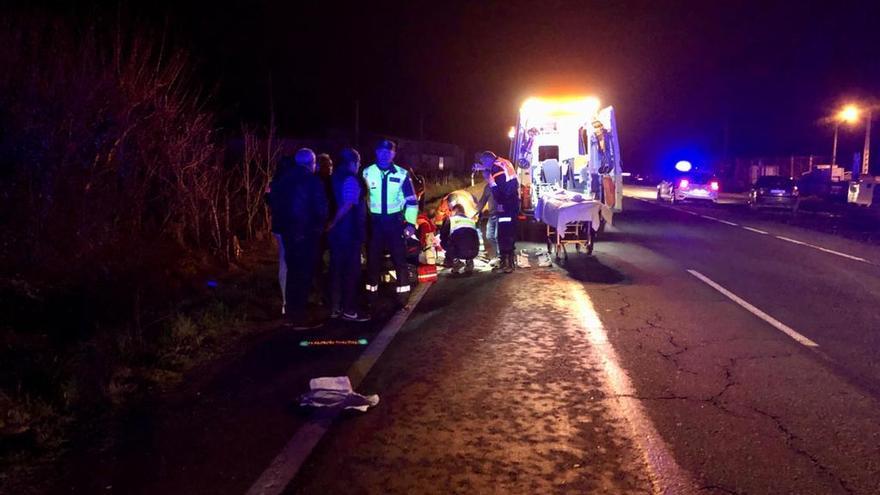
x: 848, y: 114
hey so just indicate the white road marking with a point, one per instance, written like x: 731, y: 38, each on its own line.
x: 666, y: 475
x: 782, y: 327
x: 288, y: 462
x: 824, y: 250
x: 838, y: 253
x: 789, y: 239
x: 759, y: 231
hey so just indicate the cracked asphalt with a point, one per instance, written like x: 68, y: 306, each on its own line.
x: 743, y: 407
x: 504, y: 384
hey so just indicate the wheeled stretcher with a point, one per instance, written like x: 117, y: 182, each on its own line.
x: 571, y: 219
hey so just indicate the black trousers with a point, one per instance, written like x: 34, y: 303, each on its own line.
x: 345, y: 274
x: 506, y: 233
x: 300, y: 254
x: 387, y: 235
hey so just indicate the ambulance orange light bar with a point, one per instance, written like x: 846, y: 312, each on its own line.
x: 568, y: 106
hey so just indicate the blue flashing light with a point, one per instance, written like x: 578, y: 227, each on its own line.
x: 683, y: 166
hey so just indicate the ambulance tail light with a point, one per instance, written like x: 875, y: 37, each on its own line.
x: 714, y: 185
x: 683, y: 184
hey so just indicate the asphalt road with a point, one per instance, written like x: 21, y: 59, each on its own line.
x: 688, y: 355
x: 744, y: 407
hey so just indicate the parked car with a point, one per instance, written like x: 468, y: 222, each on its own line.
x: 771, y: 191
x: 701, y: 186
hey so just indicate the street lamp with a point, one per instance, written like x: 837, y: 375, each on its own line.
x: 849, y: 114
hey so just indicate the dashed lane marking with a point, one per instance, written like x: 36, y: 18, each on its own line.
x: 759, y: 231
x: 287, y: 463
x: 782, y: 327
x: 824, y: 250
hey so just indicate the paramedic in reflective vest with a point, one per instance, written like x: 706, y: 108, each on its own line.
x: 393, y: 214
x: 461, y: 241
x: 504, y: 185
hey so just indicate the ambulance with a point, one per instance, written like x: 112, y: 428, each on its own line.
x: 570, y: 143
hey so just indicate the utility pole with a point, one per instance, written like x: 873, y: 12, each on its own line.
x: 867, y: 150
x: 834, y: 149
x: 357, y: 124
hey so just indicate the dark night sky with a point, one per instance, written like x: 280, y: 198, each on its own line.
x: 678, y: 72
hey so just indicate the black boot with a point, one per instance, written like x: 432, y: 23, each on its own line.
x: 507, y: 263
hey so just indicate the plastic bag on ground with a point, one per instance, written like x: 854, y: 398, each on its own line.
x: 336, y: 391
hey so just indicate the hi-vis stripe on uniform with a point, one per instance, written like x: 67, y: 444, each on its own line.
x: 507, y: 169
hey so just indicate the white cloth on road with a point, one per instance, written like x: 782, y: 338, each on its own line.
x: 336, y: 391
x: 559, y: 208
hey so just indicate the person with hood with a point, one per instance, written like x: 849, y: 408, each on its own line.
x: 346, y: 235
x: 299, y: 213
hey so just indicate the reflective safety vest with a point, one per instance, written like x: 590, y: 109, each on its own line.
x: 391, y: 191
x: 459, y: 222
x: 503, y: 167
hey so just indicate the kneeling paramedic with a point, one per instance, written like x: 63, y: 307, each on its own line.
x: 504, y: 186
x: 393, y: 214
x: 461, y: 240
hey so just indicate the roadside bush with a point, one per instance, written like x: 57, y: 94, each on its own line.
x: 117, y: 196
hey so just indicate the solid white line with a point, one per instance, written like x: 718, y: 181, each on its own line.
x: 824, y: 250
x: 782, y: 327
x: 758, y: 231
x: 665, y: 473
x: 288, y: 462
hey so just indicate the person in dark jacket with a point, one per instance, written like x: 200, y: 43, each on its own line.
x: 504, y: 185
x: 346, y: 235
x: 299, y: 214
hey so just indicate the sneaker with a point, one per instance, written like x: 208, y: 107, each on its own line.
x: 304, y: 323
x: 355, y: 316
x: 335, y: 314
x: 457, y: 266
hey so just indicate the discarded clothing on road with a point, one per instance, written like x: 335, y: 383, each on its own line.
x: 336, y: 391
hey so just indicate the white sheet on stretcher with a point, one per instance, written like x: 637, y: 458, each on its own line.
x: 562, y: 207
